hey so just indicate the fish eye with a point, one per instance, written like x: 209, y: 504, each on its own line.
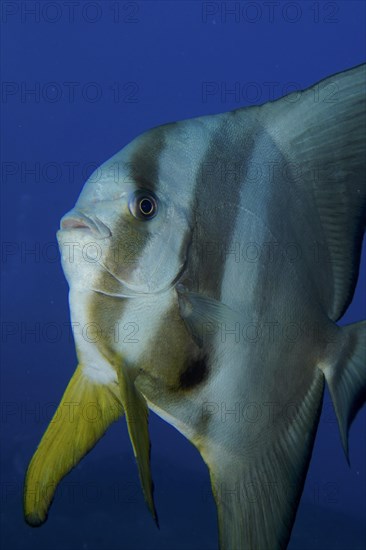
x: 143, y: 205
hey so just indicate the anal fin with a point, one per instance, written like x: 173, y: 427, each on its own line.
x: 257, y: 470
x: 257, y: 490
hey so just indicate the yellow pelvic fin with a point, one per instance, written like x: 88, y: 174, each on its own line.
x: 137, y: 413
x: 86, y: 411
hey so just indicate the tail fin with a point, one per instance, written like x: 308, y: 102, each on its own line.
x: 84, y: 414
x: 346, y: 378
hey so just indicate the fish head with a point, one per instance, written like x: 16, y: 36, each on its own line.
x: 129, y: 231
x: 126, y: 248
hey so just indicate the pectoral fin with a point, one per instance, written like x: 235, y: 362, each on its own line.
x: 203, y: 316
x: 86, y: 411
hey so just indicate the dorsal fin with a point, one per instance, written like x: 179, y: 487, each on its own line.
x: 323, y: 131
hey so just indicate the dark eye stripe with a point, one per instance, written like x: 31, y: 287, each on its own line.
x: 143, y: 167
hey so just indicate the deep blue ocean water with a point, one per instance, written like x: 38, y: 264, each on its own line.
x: 79, y: 81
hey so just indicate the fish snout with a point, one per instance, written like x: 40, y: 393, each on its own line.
x: 77, y: 220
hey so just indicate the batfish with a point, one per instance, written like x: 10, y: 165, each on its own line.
x: 210, y: 260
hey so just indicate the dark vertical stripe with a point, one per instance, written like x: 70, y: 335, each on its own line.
x: 216, y: 203
x: 143, y: 167
x: 144, y: 163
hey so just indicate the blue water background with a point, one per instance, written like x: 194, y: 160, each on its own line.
x: 159, y: 55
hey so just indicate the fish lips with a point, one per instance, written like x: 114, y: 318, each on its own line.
x: 75, y: 220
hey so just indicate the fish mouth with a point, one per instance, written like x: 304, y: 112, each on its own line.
x: 75, y: 220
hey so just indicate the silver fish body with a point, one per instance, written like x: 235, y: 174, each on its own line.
x: 227, y: 247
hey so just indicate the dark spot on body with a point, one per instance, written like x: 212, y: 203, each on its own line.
x: 194, y: 375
